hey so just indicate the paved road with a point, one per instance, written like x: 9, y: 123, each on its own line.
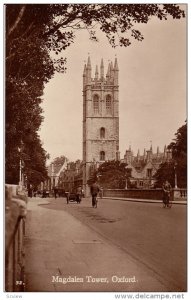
x: 155, y: 237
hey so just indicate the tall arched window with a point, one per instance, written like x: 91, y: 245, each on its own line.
x: 102, y: 155
x: 96, y: 104
x: 108, y: 104
x: 102, y: 133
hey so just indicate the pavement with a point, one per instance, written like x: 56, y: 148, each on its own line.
x: 64, y: 255
x: 176, y: 201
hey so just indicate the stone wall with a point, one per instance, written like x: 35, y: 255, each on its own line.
x: 134, y: 193
x: 154, y: 194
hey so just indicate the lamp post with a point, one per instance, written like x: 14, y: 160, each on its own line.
x: 126, y: 167
x: 175, y: 176
x: 20, y: 167
x: 21, y: 177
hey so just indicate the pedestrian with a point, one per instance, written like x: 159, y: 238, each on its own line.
x: 166, y: 187
x: 30, y: 190
x: 44, y: 193
x: 94, y: 189
x: 55, y: 192
x: 79, y: 194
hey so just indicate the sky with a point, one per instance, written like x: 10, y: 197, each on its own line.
x: 152, y: 90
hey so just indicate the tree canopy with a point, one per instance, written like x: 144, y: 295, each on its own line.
x: 33, y: 33
x: 178, y: 163
x: 112, y: 175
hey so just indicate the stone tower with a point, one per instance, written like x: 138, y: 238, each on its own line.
x: 100, y: 117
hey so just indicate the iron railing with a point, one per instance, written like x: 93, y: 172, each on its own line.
x: 14, y: 258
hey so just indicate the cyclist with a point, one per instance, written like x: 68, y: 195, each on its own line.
x: 94, y: 192
x: 166, y: 187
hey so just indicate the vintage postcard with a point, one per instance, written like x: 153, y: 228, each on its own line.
x: 95, y: 149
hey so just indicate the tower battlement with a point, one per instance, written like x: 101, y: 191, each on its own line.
x: 111, y: 76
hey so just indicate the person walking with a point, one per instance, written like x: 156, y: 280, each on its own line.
x: 30, y: 190
x: 94, y: 192
x: 55, y: 192
x: 79, y: 194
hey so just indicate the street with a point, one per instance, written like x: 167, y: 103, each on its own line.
x: 153, y: 237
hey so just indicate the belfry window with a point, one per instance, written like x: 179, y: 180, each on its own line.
x: 102, y: 155
x: 96, y: 104
x: 108, y: 104
x: 102, y: 133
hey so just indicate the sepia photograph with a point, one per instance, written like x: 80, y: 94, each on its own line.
x: 95, y: 159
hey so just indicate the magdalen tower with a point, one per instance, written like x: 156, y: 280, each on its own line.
x: 100, y: 117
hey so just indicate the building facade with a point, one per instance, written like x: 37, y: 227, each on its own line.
x: 54, y: 171
x: 143, y: 167
x: 71, y: 177
x: 100, y: 117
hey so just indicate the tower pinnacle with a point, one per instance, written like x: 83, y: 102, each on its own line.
x: 84, y: 74
x: 102, y: 70
x: 116, y: 65
x: 116, y: 71
x: 96, y: 73
x: 88, y: 68
x: 89, y: 63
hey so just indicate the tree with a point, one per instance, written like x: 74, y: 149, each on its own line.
x: 33, y: 32
x: 179, y: 154
x: 165, y: 172
x: 58, y: 162
x: 111, y: 174
x: 24, y: 88
x: 178, y: 163
x: 34, y: 160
